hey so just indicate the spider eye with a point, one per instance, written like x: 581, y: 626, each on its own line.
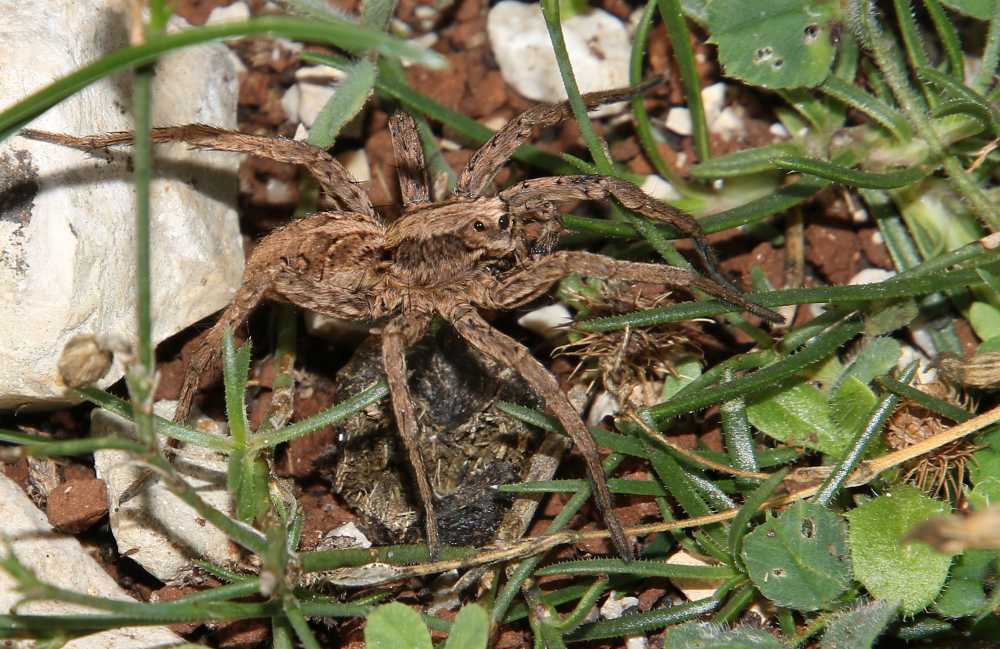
x: 478, y: 225
x: 503, y: 222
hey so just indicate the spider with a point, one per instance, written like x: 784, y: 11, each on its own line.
x: 447, y: 258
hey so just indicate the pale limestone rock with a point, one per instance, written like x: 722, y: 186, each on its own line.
x: 59, y: 559
x: 597, y: 42
x: 67, y: 256
x: 158, y: 530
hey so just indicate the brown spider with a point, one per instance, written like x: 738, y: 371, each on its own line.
x: 449, y: 258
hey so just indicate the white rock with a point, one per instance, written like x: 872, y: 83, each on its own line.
x: 730, y: 124
x: 234, y: 13
x: 614, y: 606
x: 158, y: 530
x: 67, y: 217
x: 546, y: 320
x: 598, y: 45
x: 314, y: 88
x: 60, y: 560
x: 659, y: 188
x: 350, y: 533
x: 713, y: 98
x: 604, y: 405
x: 725, y: 121
x: 356, y: 163
x: 679, y: 121
x: 692, y: 588
x: 872, y: 276
x: 778, y: 129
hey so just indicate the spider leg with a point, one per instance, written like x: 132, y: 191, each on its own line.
x: 204, y: 361
x: 539, y: 274
x: 487, y: 160
x: 409, y: 159
x: 399, y: 334
x: 536, y: 195
x: 504, y: 349
x: 335, y: 181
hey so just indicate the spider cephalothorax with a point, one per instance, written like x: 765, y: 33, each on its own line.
x: 448, y: 258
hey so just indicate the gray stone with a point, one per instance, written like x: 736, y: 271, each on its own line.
x: 67, y: 259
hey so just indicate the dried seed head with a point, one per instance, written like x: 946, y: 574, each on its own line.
x: 84, y: 361
x: 942, y: 471
x: 982, y: 371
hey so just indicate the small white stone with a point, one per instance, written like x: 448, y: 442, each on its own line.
x: 449, y: 145
x: 604, y: 405
x: 496, y: 122
x: 277, y: 192
x: 713, y: 98
x: 923, y: 340
x: 320, y: 74
x: 659, y: 188
x: 614, y: 607
x: 778, y: 130
x: 877, y: 238
x: 872, y: 276
x: 349, y: 532
x: 60, y: 560
x: 234, y: 13
x: 290, y: 102
x: 312, y: 98
x: 598, y: 44
x: 67, y: 254
x: 547, y: 320
x: 356, y: 163
x: 730, y: 124
x: 301, y: 133
x: 636, y: 642
x: 335, y: 328
x: 926, y: 373
x: 156, y: 529
x: 692, y: 588
x: 679, y: 121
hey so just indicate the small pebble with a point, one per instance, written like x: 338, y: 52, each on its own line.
x: 76, y: 505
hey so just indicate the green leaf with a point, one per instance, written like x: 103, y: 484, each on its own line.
x: 851, y: 405
x: 883, y: 318
x: 247, y: 481
x: 346, y: 102
x: 776, y: 44
x: 685, y: 372
x: 470, y: 630
x: 985, y: 320
x: 876, y: 358
x: 985, y: 494
x: 799, y: 416
x: 981, y: 9
x: 744, y: 162
x: 859, y: 627
x: 705, y: 635
x: 964, y: 594
x: 799, y: 560
x: 752, y: 503
x: 235, y: 367
x: 913, y: 573
x: 396, y: 626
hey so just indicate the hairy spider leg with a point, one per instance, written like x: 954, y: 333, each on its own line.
x: 526, y: 197
x: 499, y: 346
x: 486, y: 162
x: 334, y: 180
x: 409, y: 155
x: 399, y: 334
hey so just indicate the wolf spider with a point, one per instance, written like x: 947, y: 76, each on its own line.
x: 449, y: 257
